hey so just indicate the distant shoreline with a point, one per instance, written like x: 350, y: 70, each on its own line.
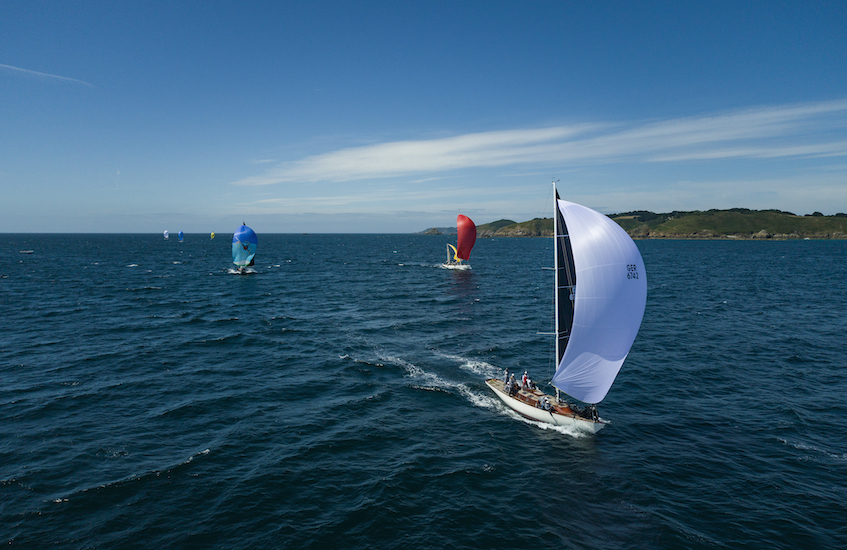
x: 736, y: 224
x: 686, y: 237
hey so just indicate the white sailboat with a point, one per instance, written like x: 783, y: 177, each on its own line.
x: 600, y: 292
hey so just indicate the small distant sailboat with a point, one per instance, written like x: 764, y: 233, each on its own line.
x: 180, y: 236
x: 213, y: 235
x: 244, y: 244
x: 600, y: 292
x: 457, y: 255
x: 166, y: 234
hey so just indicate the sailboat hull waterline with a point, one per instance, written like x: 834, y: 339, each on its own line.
x: 524, y: 403
x: 600, y: 293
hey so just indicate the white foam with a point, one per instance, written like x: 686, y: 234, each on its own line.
x: 201, y: 453
x: 433, y: 380
x: 571, y: 431
x: 474, y: 366
x: 812, y: 448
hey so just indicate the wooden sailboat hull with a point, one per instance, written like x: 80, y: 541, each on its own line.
x: 524, y: 404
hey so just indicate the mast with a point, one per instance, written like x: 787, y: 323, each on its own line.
x: 565, y: 281
x: 556, y: 277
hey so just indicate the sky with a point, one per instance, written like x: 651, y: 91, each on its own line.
x: 395, y: 116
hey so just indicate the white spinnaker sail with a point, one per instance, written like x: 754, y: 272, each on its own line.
x: 611, y: 293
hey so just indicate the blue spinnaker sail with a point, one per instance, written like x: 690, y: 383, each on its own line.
x: 244, y: 243
x: 180, y: 236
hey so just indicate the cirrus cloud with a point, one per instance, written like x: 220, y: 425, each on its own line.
x: 46, y: 76
x: 788, y: 131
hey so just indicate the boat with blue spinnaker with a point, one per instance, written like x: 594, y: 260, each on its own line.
x: 244, y: 244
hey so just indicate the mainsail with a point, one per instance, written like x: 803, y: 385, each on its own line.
x: 601, y: 293
x: 244, y: 244
x: 466, y: 238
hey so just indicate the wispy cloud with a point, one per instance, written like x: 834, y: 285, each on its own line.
x: 788, y: 131
x: 349, y: 202
x: 43, y: 75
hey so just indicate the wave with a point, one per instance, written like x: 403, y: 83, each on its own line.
x: 133, y: 478
x: 816, y: 452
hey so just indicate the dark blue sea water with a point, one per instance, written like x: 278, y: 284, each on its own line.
x: 335, y: 399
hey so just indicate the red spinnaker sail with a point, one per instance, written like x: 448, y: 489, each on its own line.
x: 467, y: 236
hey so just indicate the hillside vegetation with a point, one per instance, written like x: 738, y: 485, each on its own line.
x: 488, y: 229
x: 736, y: 223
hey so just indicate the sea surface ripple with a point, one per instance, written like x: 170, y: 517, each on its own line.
x: 335, y: 399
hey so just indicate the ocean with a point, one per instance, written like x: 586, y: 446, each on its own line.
x: 335, y: 399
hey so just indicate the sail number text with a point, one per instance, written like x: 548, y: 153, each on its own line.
x: 631, y: 271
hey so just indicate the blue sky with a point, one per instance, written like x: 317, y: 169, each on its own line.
x: 395, y: 116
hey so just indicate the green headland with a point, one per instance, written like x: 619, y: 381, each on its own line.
x: 735, y: 223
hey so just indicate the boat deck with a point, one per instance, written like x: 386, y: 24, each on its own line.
x: 531, y: 398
